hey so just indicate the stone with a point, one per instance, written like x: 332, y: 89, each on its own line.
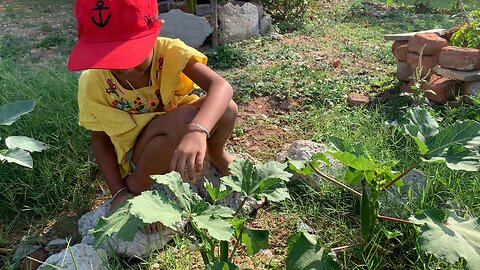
x: 142, y: 245
x: 356, y: 99
x: 408, y: 36
x: 191, y: 29
x: 471, y: 88
x: 203, y: 10
x: 266, y: 25
x: 444, y: 89
x: 237, y: 22
x: 404, y: 72
x: 57, y: 244
x: 303, y: 150
x: 84, y: 257
x: 458, y: 58
x: 400, y: 50
x: 430, y: 43
x: 465, y: 76
x: 34, y: 259
x: 396, y: 197
x: 428, y: 63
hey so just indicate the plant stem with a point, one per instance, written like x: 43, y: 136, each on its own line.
x: 224, y: 251
x: 204, y: 254
x: 5, y: 251
x: 239, y: 208
x: 335, y: 181
x: 182, y: 234
x: 340, y: 248
x: 236, y: 243
x: 400, y: 176
x: 395, y: 219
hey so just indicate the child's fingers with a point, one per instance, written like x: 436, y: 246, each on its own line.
x: 199, y: 162
x: 190, y: 167
x: 181, y: 165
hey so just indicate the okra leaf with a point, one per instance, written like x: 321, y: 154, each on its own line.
x: 17, y: 155
x: 345, y: 146
x: 255, y: 240
x: 351, y: 160
x: 217, y: 228
x: 120, y: 222
x: 11, y: 112
x: 273, y: 169
x: 185, y: 196
x: 426, y: 124
x: 450, y: 237
x: 241, y: 180
x: 299, y: 166
x: 152, y: 206
x: 216, y: 193
x: 25, y: 143
x: 305, y: 252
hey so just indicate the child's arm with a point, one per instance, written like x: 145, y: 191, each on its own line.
x: 106, y: 158
x: 190, y: 153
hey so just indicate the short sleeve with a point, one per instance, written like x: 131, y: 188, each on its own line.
x: 174, y: 82
x: 95, y: 113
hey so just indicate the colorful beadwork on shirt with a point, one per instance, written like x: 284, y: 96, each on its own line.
x: 132, y: 107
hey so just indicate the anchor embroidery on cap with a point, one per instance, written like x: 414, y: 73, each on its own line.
x: 100, y: 5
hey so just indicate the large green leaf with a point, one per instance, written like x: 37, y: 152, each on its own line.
x: 450, y: 237
x: 305, y: 253
x: 25, y: 143
x: 10, y: 113
x: 121, y: 222
x: 152, y: 206
x: 303, y: 166
x: 255, y: 240
x: 258, y: 181
x: 357, y: 162
x: 461, y: 158
x: 216, y: 227
x: 426, y: 124
x: 182, y: 191
x: 464, y: 134
x: 17, y: 155
x: 345, y: 146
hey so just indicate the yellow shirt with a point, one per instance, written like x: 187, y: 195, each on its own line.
x: 105, y: 106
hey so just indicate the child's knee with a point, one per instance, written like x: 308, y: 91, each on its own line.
x: 231, y: 113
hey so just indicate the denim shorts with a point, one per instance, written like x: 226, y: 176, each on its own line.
x: 132, y: 165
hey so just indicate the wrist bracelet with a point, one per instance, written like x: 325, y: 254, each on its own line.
x: 199, y: 128
x: 118, y: 192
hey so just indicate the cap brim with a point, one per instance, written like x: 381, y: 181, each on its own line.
x: 111, y: 55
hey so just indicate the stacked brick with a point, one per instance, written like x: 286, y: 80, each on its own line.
x: 445, y: 70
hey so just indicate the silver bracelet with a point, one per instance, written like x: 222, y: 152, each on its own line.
x: 199, y: 128
x: 118, y: 192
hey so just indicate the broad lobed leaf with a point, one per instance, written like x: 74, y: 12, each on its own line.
x: 18, y: 156
x: 10, y: 113
x: 152, y: 206
x: 450, y: 237
x: 305, y: 252
x: 25, y: 143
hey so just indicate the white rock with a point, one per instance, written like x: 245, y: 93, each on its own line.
x: 142, y: 245
x: 84, y: 257
x: 191, y: 29
x: 266, y: 25
x: 238, y: 22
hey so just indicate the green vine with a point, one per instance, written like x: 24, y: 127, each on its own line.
x: 467, y: 36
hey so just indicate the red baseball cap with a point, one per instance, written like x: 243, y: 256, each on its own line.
x: 114, y: 34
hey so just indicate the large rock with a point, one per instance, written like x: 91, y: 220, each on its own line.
x: 397, y: 197
x: 79, y: 256
x: 465, y: 59
x: 238, y: 22
x: 465, y: 76
x: 303, y: 150
x: 266, y: 25
x: 191, y: 29
x: 431, y: 43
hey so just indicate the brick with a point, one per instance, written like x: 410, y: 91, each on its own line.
x: 459, y: 58
x: 404, y: 72
x: 400, y: 50
x: 356, y: 99
x: 428, y: 62
x: 471, y: 88
x: 444, y: 88
x: 433, y: 42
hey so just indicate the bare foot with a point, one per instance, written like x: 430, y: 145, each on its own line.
x: 221, y: 161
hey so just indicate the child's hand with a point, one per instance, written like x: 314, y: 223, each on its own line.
x: 189, y: 155
x: 122, y: 196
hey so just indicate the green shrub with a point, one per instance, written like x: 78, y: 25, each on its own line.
x: 467, y: 36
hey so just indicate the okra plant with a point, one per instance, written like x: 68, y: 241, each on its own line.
x: 214, y: 225
x: 442, y: 232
